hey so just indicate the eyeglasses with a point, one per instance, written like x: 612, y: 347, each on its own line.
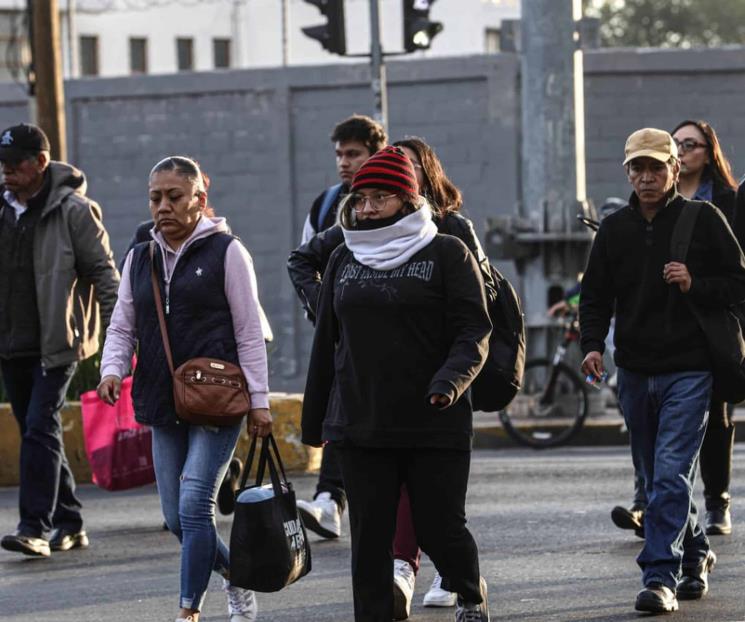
x: 684, y: 146
x: 377, y: 201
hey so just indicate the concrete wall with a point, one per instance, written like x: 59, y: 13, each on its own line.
x: 262, y: 136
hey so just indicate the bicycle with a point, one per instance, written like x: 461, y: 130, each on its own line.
x: 554, y: 401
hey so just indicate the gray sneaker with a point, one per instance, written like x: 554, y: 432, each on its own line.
x: 473, y: 612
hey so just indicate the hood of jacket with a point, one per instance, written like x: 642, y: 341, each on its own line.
x: 64, y: 180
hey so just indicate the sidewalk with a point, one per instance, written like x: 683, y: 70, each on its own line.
x: 604, y: 430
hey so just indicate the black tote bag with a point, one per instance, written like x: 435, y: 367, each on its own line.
x: 269, y: 548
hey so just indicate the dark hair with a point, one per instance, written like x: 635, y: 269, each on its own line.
x: 363, y: 129
x: 718, y: 168
x: 190, y: 169
x: 441, y: 193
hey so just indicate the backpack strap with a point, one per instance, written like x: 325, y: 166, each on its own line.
x: 683, y: 231
x: 329, y: 198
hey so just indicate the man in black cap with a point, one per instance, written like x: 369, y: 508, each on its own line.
x: 56, y: 268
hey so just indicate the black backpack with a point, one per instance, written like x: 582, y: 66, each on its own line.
x: 724, y: 327
x: 501, y: 377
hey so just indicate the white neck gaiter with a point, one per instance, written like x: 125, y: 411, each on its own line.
x: 392, y: 246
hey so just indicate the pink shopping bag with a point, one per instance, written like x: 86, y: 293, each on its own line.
x: 119, y: 449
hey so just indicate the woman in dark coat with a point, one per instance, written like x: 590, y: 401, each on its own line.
x: 307, y: 265
x: 706, y: 175
x: 402, y: 330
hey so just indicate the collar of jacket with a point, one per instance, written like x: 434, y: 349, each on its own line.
x: 672, y: 196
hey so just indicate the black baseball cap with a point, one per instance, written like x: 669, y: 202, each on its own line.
x: 22, y: 141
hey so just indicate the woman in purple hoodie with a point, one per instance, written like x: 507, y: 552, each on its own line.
x: 209, y: 294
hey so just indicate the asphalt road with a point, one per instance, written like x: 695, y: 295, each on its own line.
x: 541, y: 519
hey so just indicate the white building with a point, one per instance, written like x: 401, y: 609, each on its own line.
x: 121, y: 37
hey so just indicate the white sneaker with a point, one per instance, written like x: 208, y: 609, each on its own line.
x: 242, y: 606
x: 403, y: 588
x: 437, y: 597
x: 321, y: 516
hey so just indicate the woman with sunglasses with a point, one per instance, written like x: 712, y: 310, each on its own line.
x: 402, y: 330
x: 307, y: 265
x: 706, y: 175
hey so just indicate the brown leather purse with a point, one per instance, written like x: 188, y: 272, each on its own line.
x: 206, y: 391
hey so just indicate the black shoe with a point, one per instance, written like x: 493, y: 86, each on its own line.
x: 473, y: 612
x: 694, y: 584
x: 656, y: 598
x: 226, y: 494
x: 718, y: 522
x: 632, y: 518
x: 19, y: 542
x: 62, y: 539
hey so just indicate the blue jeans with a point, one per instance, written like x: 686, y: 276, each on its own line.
x: 46, y: 496
x: 190, y: 462
x: 666, y: 415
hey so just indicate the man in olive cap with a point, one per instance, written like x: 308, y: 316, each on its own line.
x: 56, y: 268
x: 664, y: 370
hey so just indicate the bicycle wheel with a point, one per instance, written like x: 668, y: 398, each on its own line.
x: 551, y: 407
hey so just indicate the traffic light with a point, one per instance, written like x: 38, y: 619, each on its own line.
x: 330, y: 35
x: 419, y: 30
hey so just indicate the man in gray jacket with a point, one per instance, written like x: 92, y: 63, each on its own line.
x: 56, y: 268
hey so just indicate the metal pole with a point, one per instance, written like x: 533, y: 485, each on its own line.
x: 72, y: 39
x: 285, y: 33
x: 236, y: 59
x: 377, y: 67
x: 553, y: 167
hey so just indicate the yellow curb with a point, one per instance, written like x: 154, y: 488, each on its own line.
x: 286, y: 409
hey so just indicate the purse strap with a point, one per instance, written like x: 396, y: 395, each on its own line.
x: 683, y: 231
x: 159, y: 308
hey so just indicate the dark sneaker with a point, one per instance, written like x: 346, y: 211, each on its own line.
x: 718, y: 522
x: 656, y: 598
x: 473, y: 612
x: 28, y: 545
x: 694, y: 584
x: 62, y: 539
x: 226, y: 493
x: 633, y: 518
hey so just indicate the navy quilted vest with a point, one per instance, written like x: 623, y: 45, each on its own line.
x: 198, y: 319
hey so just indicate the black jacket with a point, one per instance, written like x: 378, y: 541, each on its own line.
x: 655, y: 330
x: 385, y: 341
x: 307, y: 263
x: 738, y: 218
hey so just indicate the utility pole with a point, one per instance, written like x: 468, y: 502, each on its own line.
x: 50, y: 97
x: 377, y: 67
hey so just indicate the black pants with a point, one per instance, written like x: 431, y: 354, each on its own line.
x: 330, y: 478
x: 437, y: 480
x: 716, y: 455
x: 47, y: 487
